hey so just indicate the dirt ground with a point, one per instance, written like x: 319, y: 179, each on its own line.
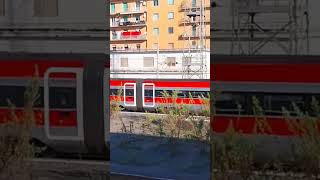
x: 136, y: 123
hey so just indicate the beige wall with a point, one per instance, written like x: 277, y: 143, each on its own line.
x: 164, y: 39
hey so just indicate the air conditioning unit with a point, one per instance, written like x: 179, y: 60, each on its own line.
x: 143, y: 3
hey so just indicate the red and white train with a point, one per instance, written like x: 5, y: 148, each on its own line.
x: 276, y: 81
x: 148, y: 94
x: 71, y: 115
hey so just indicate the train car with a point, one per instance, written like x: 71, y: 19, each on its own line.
x: 71, y: 117
x: 148, y: 94
x: 276, y: 82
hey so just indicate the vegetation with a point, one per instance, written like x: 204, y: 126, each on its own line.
x: 15, y: 135
x: 179, y: 121
x: 234, y: 154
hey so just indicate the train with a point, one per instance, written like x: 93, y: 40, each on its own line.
x: 146, y: 95
x: 72, y: 111
x: 72, y: 114
x: 276, y: 82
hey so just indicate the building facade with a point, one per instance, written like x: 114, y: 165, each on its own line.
x: 164, y: 24
x: 42, y: 26
x: 152, y: 65
x: 128, y: 25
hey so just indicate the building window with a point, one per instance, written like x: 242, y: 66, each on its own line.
x: 171, y: 61
x: 155, y: 17
x: 113, y: 8
x: 124, y: 62
x: 194, y: 30
x: 170, y: 15
x: 45, y: 8
x: 138, y: 46
x: 125, y: 18
x: 155, y: 46
x: 171, y: 45
x: 194, y: 44
x: 156, y: 31
x: 126, y: 47
x: 148, y: 62
x: 138, y: 18
x: 137, y: 5
x: 155, y: 2
x: 186, y: 61
x: 194, y: 3
x: 114, y: 35
x: 170, y: 2
x: 170, y: 30
x: 114, y: 48
x: 2, y: 8
x: 125, y: 7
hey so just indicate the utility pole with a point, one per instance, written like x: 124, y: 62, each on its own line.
x: 158, y: 59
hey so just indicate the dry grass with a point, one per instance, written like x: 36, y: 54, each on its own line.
x: 15, y: 135
x: 233, y: 156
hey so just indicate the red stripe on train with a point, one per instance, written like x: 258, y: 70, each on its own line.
x: 161, y: 100
x: 120, y: 82
x: 304, y: 73
x: 19, y: 68
x: 186, y: 84
x: 247, y: 125
x: 57, y: 118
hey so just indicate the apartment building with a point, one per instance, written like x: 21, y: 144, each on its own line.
x: 163, y: 24
x: 128, y: 26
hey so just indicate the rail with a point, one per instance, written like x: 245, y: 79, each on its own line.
x: 62, y: 168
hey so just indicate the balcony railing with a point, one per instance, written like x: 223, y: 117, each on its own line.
x: 129, y: 11
x: 128, y: 37
x: 128, y: 23
x: 189, y: 21
x: 189, y: 6
x: 192, y: 35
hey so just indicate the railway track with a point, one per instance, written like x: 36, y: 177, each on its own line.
x: 53, y: 169
x: 145, y: 114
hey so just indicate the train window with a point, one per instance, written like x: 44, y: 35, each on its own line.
x: 230, y: 103
x: 313, y: 104
x: 16, y: 96
x: 40, y: 101
x: 129, y: 92
x: 274, y: 103
x: 13, y: 93
x: 115, y: 92
x: 148, y: 93
x: 160, y: 93
x: 62, y: 97
x: 183, y: 94
x: 197, y: 94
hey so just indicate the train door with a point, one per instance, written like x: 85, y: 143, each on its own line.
x: 63, y: 104
x: 148, y: 95
x: 130, y: 94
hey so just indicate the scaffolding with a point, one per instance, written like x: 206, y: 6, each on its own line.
x: 194, y: 52
x: 256, y: 23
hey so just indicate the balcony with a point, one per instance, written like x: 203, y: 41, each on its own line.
x: 194, y: 35
x: 128, y: 24
x: 190, y: 21
x: 128, y: 12
x: 129, y: 36
x: 187, y: 6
